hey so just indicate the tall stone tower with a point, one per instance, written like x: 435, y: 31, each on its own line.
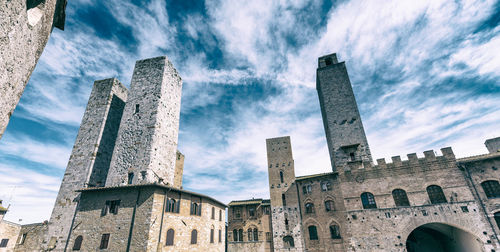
x: 89, y: 161
x: 345, y: 135
x: 286, y: 223
x: 147, y: 140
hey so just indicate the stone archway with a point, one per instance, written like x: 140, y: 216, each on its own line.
x: 440, y: 237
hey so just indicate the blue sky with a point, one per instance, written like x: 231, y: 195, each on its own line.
x: 426, y: 75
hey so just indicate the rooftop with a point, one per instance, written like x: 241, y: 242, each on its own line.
x: 92, y: 189
x: 314, y: 176
x: 479, y: 157
x: 248, y: 202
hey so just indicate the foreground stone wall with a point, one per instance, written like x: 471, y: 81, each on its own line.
x: 91, y: 152
x: 31, y: 237
x: 25, y: 27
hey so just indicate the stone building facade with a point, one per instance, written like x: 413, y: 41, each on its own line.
x: 249, y: 226
x: 122, y: 189
x: 25, y: 27
x: 429, y: 203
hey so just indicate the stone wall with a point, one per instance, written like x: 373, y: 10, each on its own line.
x: 179, y: 170
x: 31, y: 237
x: 345, y: 135
x: 91, y: 152
x: 147, y: 138
x: 149, y: 231
x: 493, y: 145
x: 10, y: 231
x: 25, y: 27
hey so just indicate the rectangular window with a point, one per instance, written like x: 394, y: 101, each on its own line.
x: 3, y: 243
x: 220, y: 236
x: 251, y: 211
x: 23, y: 238
x: 113, y: 206
x: 220, y: 215
x: 283, y: 199
x: 130, y: 177
x: 267, y: 211
x: 104, y: 241
x: 237, y: 212
x: 211, y: 236
x: 268, y: 236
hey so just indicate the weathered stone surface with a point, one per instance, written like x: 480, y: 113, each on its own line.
x: 493, y: 145
x: 147, y: 140
x: 90, y: 156
x: 25, y: 27
x: 344, y: 130
x: 30, y: 237
x: 179, y: 169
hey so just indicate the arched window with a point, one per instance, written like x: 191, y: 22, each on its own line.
x: 171, y: 206
x: 400, y: 198
x: 194, y: 236
x: 212, y: 235
x: 78, y: 243
x: 250, y: 235
x: 220, y: 215
x: 255, y: 234
x: 288, y: 241
x: 240, y: 235
x: 235, y: 235
x: 335, y: 232
x: 309, y: 208
x: 329, y: 206
x: 313, y: 233
x: 170, y: 237
x: 194, y: 208
x: 281, y: 176
x: 491, y: 188
x: 213, y: 213
x: 497, y: 219
x: 436, y: 194
x: 368, y: 200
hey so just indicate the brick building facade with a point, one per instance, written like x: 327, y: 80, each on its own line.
x: 433, y: 203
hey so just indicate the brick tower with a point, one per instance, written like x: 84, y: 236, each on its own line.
x: 285, y: 207
x: 345, y: 136
x: 89, y: 161
x: 147, y: 140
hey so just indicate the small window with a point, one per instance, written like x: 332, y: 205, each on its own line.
x: 326, y: 186
x: 23, y: 238
x: 172, y: 206
x: 281, y: 176
x: 249, y: 233
x: 328, y: 61
x: 307, y: 189
x: 3, y: 243
x: 497, y: 219
x: 170, y: 237
x: 78, y: 243
x: 288, y: 241
x: 313, y: 233
x: 213, y: 213
x: 283, y: 199
x: 436, y: 194
x: 335, y: 232
x: 255, y: 234
x: 104, y: 241
x: 237, y: 212
x: 220, y: 236
x: 240, y: 235
x: 368, y: 200
x: 266, y: 210
x: 329, y: 206
x: 194, y: 236
x: 400, y: 197
x: 235, y: 235
x: 136, y: 108
x: 220, y: 215
x: 491, y: 188
x: 351, y: 155
x: 195, y: 209
x: 212, y: 235
x: 251, y: 211
x: 113, y: 206
x: 309, y: 208
x: 268, y: 236
x: 130, y: 177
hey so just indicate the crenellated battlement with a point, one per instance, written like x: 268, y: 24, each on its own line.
x: 413, y: 161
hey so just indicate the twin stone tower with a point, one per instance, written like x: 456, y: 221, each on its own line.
x: 127, y: 137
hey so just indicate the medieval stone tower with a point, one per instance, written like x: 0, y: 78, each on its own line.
x: 345, y: 135
x: 147, y: 140
x: 89, y: 160
x: 124, y: 138
x: 284, y: 199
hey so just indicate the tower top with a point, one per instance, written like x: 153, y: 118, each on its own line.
x: 327, y: 60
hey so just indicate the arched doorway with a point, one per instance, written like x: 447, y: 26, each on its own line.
x: 439, y: 237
